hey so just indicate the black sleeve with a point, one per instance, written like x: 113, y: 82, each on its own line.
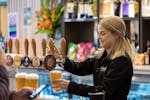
x: 4, y: 84
x: 79, y: 68
x: 117, y: 74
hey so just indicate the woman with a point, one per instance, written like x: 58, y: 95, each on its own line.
x: 112, y: 68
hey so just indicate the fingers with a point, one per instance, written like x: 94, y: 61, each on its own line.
x: 27, y: 90
x: 60, y: 83
x: 52, y: 49
x: 55, y: 49
x: 57, y: 53
x: 51, y: 45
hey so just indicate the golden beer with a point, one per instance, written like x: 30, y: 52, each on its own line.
x: 32, y: 80
x: 20, y: 80
x: 55, y: 75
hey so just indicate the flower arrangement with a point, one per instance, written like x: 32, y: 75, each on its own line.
x: 50, y: 17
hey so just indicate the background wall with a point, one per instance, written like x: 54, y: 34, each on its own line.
x: 27, y: 31
x: 3, y: 20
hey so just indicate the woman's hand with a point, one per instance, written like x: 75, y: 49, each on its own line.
x: 60, y: 83
x: 2, y: 57
x: 55, y: 53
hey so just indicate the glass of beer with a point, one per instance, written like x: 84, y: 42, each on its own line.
x: 55, y: 74
x: 32, y: 80
x: 20, y: 80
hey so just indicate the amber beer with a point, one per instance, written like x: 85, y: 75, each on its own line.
x: 55, y: 75
x: 20, y: 80
x: 32, y: 80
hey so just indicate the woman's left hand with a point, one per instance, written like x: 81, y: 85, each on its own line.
x: 61, y: 83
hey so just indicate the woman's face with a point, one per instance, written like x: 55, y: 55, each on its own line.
x: 107, y: 40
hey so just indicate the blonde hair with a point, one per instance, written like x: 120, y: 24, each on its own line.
x: 117, y: 27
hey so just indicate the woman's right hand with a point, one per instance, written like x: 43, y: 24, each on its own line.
x: 56, y: 52
x: 2, y: 57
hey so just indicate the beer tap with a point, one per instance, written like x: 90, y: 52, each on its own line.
x: 50, y: 61
x: 43, y: 50
x: 26, y: 60
x: 17, y: 58
x: 9, y: 57
x: 35, y: 60
x: 44, y: 47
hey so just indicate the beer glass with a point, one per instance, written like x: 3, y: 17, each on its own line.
x: 20, y: 80
x: 32, y: 80
x: 55, y: 74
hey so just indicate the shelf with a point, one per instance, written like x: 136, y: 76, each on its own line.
x: 146, y: 18
x: 129, y: 18
x: 39, y: 70
x: 142, y: 70
x: 81, y: 20
x: 33, y: 70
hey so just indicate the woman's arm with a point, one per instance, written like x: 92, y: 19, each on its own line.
x: 79, y: 68
x: 117, y: 75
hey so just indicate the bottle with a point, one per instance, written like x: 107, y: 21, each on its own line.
x: 70, y: 9
x: 125, y: 8
x: 90, y: 9
x: 92, y: 6
x: 108, y: 8
x: 81, y: 9
x: 75, y: 12
x: 86, y: 9
x: 117, y: 4
x: 131, y: 7
x: 136, y: 8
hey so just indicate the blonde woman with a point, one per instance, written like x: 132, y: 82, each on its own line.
x: 112, y: 68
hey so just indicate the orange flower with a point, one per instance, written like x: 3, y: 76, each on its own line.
x: 50, y: 26
x: 44, y: 17
x: 40, y: 24
x: 47, y: 22
x: 49, y: 17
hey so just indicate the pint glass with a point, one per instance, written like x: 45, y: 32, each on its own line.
x: 20, y: 80
x: 32, y: 80
x: 55, y: 74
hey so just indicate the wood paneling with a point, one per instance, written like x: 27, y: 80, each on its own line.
x: 27, y: 31
x: 3, y: 20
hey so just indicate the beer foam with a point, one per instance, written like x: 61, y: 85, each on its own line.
x: 21, y: 75
x: 32, y: 76
x: 55, y: 71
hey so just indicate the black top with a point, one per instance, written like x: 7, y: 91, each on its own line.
x: 5, y: 94
x: 4, y: 84
x: 112, y: 76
